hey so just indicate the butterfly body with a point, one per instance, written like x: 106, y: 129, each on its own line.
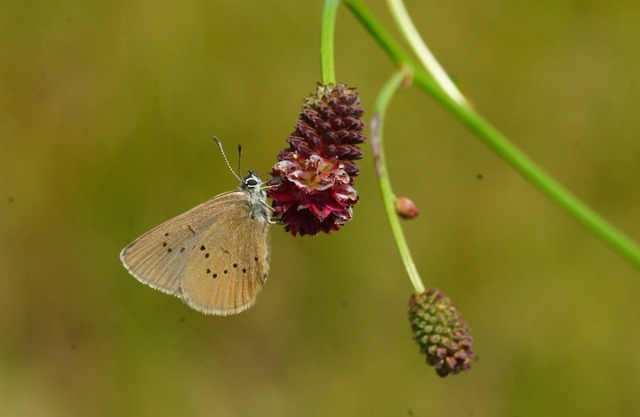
x: 215, y: 257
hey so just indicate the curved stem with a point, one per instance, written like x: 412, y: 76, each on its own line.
x: 420, y: 48
x: 518, y: 160
x: 327, y: 31
x: 389, y: 198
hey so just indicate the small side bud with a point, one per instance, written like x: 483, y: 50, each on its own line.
x: 441, y: 332
x: 406, y: 208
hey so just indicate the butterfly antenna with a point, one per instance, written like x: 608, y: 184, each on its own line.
x: 239, y: 160
x: 225, y: 158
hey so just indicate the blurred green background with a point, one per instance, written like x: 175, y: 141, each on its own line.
x: 107, y: 109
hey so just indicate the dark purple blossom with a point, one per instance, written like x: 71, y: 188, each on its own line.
x: 312, y: 187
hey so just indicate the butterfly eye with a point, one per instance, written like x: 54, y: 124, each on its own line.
x: 251, y: 182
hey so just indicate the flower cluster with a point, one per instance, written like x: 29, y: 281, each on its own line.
x: 312, y: 187
x: 441, y: 332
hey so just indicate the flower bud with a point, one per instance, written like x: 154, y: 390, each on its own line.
x: 406, y: 208
x: 441, y: 332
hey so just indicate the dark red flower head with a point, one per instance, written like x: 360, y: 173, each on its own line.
x: 312, y: 187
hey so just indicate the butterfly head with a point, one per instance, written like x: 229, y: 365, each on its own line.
x: 252, y: 181
x: 252, y: 187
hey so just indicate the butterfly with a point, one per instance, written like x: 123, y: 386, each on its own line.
x: 215, y: 257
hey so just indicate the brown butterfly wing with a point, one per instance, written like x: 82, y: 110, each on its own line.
x: 159, y: 258
x: 230, y: 263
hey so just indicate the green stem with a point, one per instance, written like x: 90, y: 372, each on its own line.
x: 430, y: 63
x: 389, y: 198
x: 327, y: 32
x: 597, y: 225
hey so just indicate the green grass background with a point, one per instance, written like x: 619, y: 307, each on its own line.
x: 107, y: 109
